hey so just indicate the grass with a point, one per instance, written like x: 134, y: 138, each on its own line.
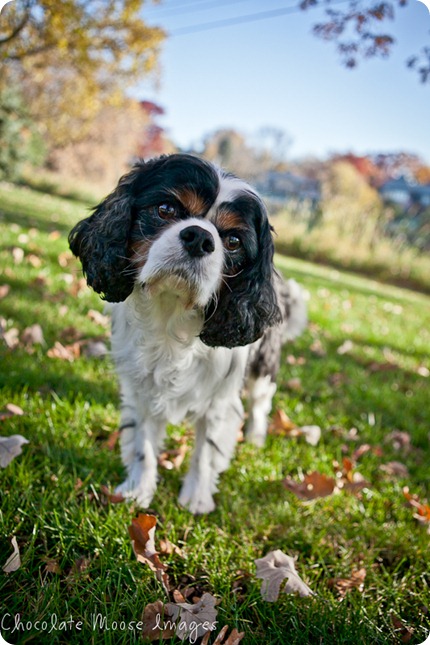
x: 50, y: 494
x: 390, y: 260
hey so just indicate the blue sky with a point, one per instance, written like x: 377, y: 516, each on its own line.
x: 275, y: 72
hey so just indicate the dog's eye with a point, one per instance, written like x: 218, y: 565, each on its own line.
x: 232, y: 242
x: 167, y: 211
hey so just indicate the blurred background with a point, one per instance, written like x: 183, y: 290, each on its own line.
x: 323, y: 106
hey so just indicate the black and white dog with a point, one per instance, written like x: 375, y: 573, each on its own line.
x: 184, y: 252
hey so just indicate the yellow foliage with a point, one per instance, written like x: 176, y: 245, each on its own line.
x: 71, y: 58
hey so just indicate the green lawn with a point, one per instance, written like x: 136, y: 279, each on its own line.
x: 77, y: 557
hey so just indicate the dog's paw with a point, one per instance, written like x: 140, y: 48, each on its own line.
x: 197, y: 500
x: 141, y: 494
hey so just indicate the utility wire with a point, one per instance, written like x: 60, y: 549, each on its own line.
x: 228, y: 22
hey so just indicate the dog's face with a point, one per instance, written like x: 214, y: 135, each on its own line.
x: 179, y: 225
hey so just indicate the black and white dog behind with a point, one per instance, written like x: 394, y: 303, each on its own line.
x: 184, y: 253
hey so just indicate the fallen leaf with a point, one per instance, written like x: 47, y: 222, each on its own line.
x: 34, y: 260
x: 17, y: 254
x: 11, y: 337
x: 113, y: 440
x: 346, y: 347
x: 313, y: 486
x: 167, y: 548
x: 79, y: 567
x: 52, y: 566
x: 400, y: 440
x: 318, y: 349
x: 424, y: 371
x: 95, y: 349
x: 234, y: 638
x: 281, y: 423
x: 194, y: 620
x: 422, y: 509
x: 172, y: 459
x: 65, y: 352
x: 113, y: 498
x: 157, y: 622
x: 11, y: 410
x: 33, y: 335
x: 312, y: 434
x: 343, y: 585
x: 395, y: 468
x: 142, y: 533
x: 4, y: 290
x: 403, y: 630
x: 98, y: 318
x: 13, y: 563
x: 295, y: 384
x: 273, y: 569
x: 10, y: 447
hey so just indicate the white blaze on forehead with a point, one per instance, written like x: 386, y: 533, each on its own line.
x: 229, y: 189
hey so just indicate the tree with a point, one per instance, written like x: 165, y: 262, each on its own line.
x: 350, y: 207
x: 18, y: 141
x: 359, y: 31
x: 73, y: 57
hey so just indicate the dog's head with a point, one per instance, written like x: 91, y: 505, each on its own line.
x: 179, y: 224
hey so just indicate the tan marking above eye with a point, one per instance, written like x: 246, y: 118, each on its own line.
x: 193, y: 203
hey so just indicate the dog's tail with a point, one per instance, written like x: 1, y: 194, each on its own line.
x: 293, y: 302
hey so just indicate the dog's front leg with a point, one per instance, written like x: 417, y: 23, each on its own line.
x: 216, y: 436
x: 139, y: 448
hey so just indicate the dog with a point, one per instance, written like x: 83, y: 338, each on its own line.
x: 183, y: 252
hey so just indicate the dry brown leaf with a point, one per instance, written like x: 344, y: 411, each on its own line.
x: 403, y: 630
x: 113, y: 440
x: 33, y: 335
x: 17, y: 254
x: 98, y: 318
x: 234, y: 638
x: 13, y: 563
x: 395, y: 468
x: 313, y: 486
x: 172, y: 459
x: 4, y: 290
x: 343, y: 585
x: 273, y: 569
x: 142, y: 533
x: 113, y: 498
x: 281, y: 423
x: 10, y: 447
x: 422, y: 509
x: 194, y: 620
x: 157, y: 622
x: 65, y: 352
x: 52, y: 566
x: 11, y: 337
x: 399, y: 440
x: 10, y: 410
x: 168, y: 548
x: 295, y: 384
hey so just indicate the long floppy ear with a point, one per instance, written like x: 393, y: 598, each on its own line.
x: 247, y: 303
x: 101, y: 243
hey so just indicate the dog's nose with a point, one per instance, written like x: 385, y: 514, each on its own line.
x: 197, y: 241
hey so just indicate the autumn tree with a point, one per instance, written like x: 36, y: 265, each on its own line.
x: 71, y: 58
x: 359, y: 30
x: 350, y: 206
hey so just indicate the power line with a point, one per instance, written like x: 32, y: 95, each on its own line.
x: 228, y: 22
x: 199, y: 6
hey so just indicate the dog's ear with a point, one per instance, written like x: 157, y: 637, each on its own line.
x: 247, y: 303
x: 101, y: 241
